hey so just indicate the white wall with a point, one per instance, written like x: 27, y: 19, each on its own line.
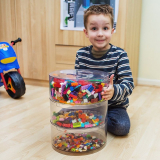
x: 149, y: 59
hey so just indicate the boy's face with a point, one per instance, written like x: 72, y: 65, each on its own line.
x: 99, y: 31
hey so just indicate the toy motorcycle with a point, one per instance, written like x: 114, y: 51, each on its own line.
x: 12, y: 80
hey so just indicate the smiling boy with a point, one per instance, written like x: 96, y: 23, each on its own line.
x: 101, y: 55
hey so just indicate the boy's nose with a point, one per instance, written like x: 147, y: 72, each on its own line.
x: 100, y: 33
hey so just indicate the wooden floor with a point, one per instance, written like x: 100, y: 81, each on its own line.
x: 25, y: 128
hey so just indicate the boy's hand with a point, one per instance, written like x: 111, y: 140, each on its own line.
x: 108, y: 93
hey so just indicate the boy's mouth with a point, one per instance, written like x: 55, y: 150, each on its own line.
x: 100, y: 40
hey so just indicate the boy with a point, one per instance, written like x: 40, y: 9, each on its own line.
x: 101, y: 55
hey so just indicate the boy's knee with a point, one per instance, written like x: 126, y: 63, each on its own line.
x: 120, y: 128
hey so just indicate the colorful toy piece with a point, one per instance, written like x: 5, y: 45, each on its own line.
x: 77, y: 91
x: 77, y: 119
x: 77, y: 143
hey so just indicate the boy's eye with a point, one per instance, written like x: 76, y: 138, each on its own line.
x: 105, y: 28
x: 94, y: 28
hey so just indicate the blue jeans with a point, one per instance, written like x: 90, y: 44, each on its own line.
x: 118, y: 122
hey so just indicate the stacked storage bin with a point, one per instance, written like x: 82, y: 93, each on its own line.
x: 78, y: 112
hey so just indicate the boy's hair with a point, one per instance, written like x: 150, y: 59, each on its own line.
x: 105, y: 9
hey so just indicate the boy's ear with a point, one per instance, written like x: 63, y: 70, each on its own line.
x: 112, y: 31
x: 85, y: 32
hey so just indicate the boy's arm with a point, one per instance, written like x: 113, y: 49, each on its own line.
x: 124, y: 84
x: 77, y: 62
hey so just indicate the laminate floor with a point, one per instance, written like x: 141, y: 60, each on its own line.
x: 25, y: 131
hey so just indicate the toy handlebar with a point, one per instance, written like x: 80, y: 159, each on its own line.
x: 15, y: 41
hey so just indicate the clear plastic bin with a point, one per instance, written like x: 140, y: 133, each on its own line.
x: 78, y: 86
x: 77, y: 111
x: 78, y: 141
x: 78, y: 116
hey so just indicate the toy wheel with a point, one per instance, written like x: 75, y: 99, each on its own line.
x: 15, y: 84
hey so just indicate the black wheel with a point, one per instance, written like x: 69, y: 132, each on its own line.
x: 15, y: 84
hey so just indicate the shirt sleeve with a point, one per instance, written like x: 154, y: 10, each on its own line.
x: 124, y: 84
x: 77, y: 62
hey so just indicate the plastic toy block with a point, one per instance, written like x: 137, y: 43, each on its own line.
x: 71, y: 88
x: 55, y: 114
x: 85, y: 100
x: 58, y: 94
x: 83, y: 116
x: 73, y: 150
x: 71, y: 101
x: 77, y: 102
x: 57, y: 84
x: 97, y: 90
x: 74, y: 93
x: 91, y: 116
x: 94, y: 100
x: 74, y: 84
x: 68, y: 92
x: 62, y: 88
x: 90, y: 121
x: 68, y: 85
x: 95, y: 95
x: 61, y: 101
x: 100, y: 86
x: 90, y: 97
x: 91, y: 88
x: 99, y: 96
x: 80, y: 95
x: 61, y: 116
x: 65, y: 97
x: 94, y: 118
x: 88, y: 125
x: 53, y: 117
x: 103, y: 84
x: 73, y: 96
x: 83, y: 120
x: 88, y: 92
x: 54, y: 121
x: 61, y: 119
x: 52, y: 92
x: 70, y: 81
x: 77, y: 88
x: 101, y: 122
x: 80, y: 111
x: 66, y: 114
x: 65, y: 91
x: 59, y: 123
x: 74, y: 121
x: 71, y: 114
x: 86, y: 86
x: 78, y: 124
x: 99, y: 117
x: 92, y: 92
x: 57, y: 118
x: 52, y: 84
x: 66, y: 125
x: 93, y: 121
x: 74, y: 99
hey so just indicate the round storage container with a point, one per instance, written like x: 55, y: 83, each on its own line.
x: 78, y: 112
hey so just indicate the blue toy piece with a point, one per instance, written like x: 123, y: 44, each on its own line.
x: 12, y: 80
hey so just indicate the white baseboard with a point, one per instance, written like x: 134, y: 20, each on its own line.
x: 149, y: 82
